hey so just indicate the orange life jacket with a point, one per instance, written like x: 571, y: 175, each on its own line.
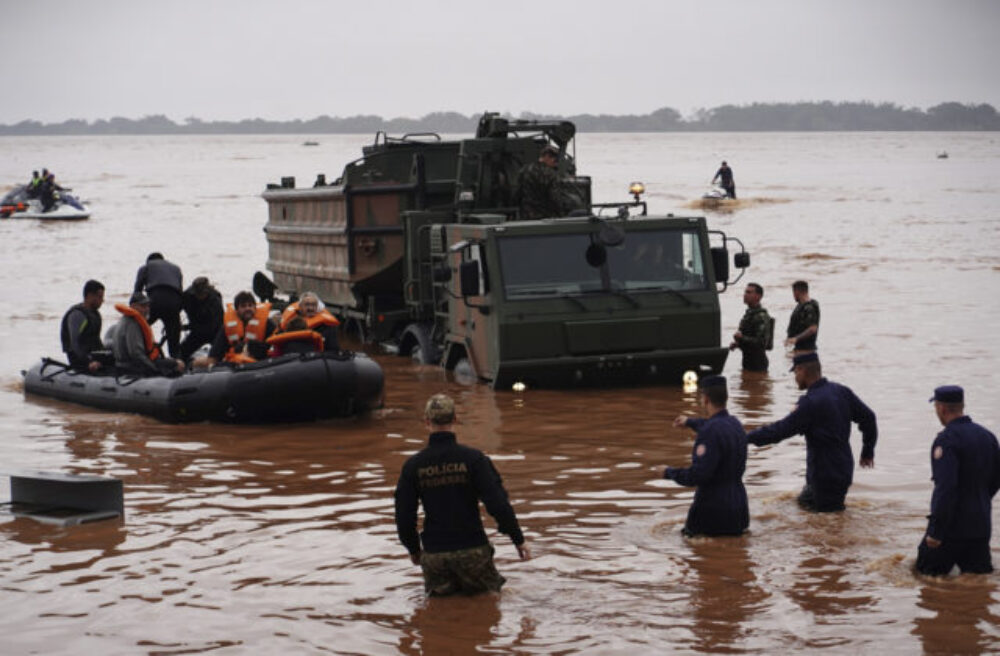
x: 277, y: 341
x: 152, y: 350
x: 323, y: 317
x: 237, y: 332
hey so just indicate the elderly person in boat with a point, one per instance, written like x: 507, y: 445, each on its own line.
x: 135, y: 350
x: 316, y: 319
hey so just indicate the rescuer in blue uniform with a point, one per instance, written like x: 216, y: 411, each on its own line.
x: 718, y: 460
x: 965, y: 466
x: 449, y: 479
x: 824, y: 415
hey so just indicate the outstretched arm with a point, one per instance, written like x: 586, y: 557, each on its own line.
x: 795, y: 423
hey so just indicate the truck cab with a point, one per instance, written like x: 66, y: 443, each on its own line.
x: 579, y: 300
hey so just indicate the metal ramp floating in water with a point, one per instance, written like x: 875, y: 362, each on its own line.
x: 64, y: 499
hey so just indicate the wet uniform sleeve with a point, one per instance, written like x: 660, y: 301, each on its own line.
x: 695, y: 423
x: 407, y: 500
x: 863, y: 416
x: 76, y: 323
x: 995, y: 482
x: 810, y: 314
x: 703, y: 465
x: 944, y: 500
x: 795, y: 423
x: 489, y: 486
x: 140, y: 279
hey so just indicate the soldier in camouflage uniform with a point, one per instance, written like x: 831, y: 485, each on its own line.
x: 754, y: 331
x: 803, y: 325
x: 449, y: 479
x: 538, y: 193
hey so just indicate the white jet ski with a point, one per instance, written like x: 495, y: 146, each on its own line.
x: 715, y: 193
x: 17, y: 205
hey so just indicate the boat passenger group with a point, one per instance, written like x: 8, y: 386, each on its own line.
x: 242, y: 332
x: 44, y: 188
x: 449, y: 479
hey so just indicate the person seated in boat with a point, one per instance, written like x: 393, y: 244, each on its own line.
x: 80, y: 331
x: 296, y: 338
x: 202, y: 303
x: 34, y: 186
x: 319, y: 320
x: 49, y: 192
x: 243, y: 336
x: 136, y: 352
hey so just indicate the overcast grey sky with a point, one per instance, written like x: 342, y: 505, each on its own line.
x: 235, y: 59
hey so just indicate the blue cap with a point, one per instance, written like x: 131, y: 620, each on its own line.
x: 948, y: 394
x: 712, y: 381
x: 803, y: 358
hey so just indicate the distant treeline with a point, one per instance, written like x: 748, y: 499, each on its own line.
x: 758, y: 117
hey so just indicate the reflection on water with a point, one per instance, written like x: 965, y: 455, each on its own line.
x: 959, y: 616
x: 280, y: 539
x: 725, y: 595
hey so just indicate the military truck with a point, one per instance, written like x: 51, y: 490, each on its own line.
x: 419, y: 247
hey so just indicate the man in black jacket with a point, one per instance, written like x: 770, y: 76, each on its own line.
x: 450, y: 479
x: 80, y: 330
x: 163, y: 282
x: 202, y: 304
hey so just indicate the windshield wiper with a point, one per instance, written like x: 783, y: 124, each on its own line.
x: 554, y: 294
x: 621, y: 293
x: 670, y: 290
x: 615, y: 291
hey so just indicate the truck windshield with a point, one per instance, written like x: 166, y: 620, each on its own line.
x: 556, y: 265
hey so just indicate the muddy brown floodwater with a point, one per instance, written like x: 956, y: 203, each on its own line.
x: 280, y: 539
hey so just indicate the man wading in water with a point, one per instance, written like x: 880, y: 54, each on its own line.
x: 449, y: 479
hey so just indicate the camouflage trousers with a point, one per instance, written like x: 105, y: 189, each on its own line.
x: 466, y: 571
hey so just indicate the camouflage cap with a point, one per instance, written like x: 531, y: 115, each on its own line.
x: 440, y: 409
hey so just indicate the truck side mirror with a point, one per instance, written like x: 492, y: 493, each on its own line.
x: 468, y: 276
x: 741, y: 260
x: 720, y: 263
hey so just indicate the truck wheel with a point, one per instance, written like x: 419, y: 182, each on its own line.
x: 416, y: 341
x: 463, y: 373
x: 355, y: 330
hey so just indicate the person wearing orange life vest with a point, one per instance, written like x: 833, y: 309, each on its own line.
x: 320, y: 321
x: 242, y: 338
x: 133, y: 345
x: 296, y: 338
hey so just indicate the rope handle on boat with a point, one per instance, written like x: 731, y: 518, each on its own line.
x: 49, y: 361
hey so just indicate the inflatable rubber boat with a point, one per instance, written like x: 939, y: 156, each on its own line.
x: 294, y: 387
